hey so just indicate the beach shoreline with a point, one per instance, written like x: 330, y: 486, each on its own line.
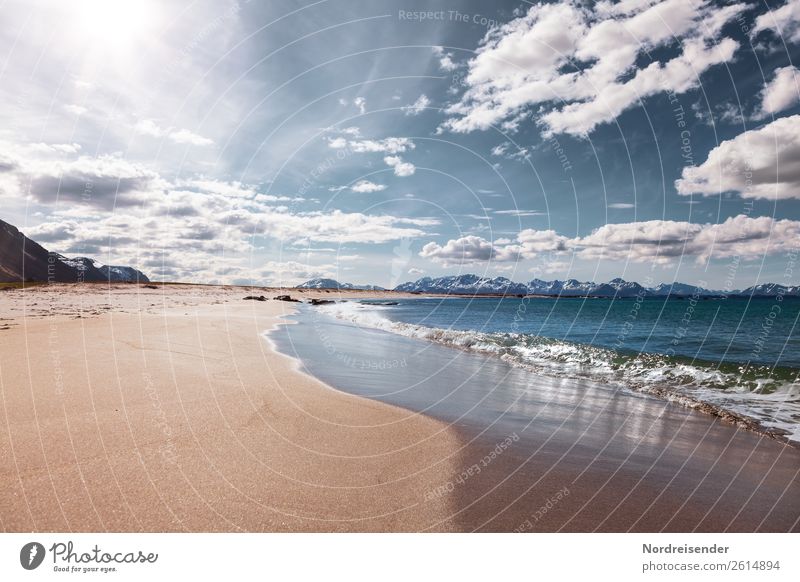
x: 137, y: 409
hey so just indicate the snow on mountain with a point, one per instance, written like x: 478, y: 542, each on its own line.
x: 771, y: 290
x: 321, y: 283
x: 679, y: 289
x: 464, y: 285
x: 123, y: 274
x: 93, y: 270
x: 473, y: 284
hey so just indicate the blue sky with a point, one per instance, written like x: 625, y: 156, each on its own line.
x: 377, y: 142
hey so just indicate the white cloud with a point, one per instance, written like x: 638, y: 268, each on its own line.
x: 184, y: 136
x: 233, y: 189
x: 365, y: 186
x: 124, y: 213
x: 474, y: 249
x: 148, y: 127
x: 781, y: 93
x: 760, y: 163
x: 654, y: 241
x: 361, y: 103
x: 511, y: 152
x: 75, y: 109
x: 288, y: 273
x: 784, y: 21
x: 446, y: 62
x: 662, y: 241
x: 184, y: 235
x: 418, y: 106
x: 729, y: 113
x: 621, y: 205
x: 392, y: 145
x: 401, y: 168
x: 518, y: 212
x: 52, y: 174
x: 53, y: 148
x: 180, y: 136
x: 532, y: 59
x: 468, y: 249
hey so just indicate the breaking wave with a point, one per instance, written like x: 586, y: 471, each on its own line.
x: 759, y: 398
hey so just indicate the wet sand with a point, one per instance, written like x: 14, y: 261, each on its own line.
x: 584, y: 456
x: 136, y: 409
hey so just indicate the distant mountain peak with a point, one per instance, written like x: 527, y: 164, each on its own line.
x: 618, y: 287
x: 24, y: 260
x: 323, y: 283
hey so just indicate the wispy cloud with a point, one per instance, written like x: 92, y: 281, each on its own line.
x: 420, y: 105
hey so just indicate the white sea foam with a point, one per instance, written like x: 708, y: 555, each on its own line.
x: 772, y: 402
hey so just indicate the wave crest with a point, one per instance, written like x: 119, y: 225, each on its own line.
x: 757, y: 398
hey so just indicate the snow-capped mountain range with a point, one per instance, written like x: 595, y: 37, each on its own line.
x: 476, y: 285
x: 333, y: 284
x: 93, y: 270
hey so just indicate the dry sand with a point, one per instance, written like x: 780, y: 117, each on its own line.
x: 135, y: 409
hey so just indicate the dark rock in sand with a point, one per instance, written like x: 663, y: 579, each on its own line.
x: 255, y: 298
x: 286, y: 298
x: 321, y: 301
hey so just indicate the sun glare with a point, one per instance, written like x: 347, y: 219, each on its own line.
x: 114, y: 24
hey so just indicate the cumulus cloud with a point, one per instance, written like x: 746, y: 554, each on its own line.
x: 781, y: 93
x: 760, y: 163
x: 662, y: 241
x: 474, y: 249
x: 418, y: 106
x: 784, y: 21
x: 366, y: 187
x: 188, y: 245
x: 468, y: 249
x: 579, y: 63
x: 654, y: 241
x: 446, y: 62
x: 184, y: 136
x: 172, y: 229
x: 179, y: 136
x: 401, y: 168
x: 51, y: 173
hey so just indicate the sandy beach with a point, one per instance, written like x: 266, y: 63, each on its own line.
x: 164, y: 409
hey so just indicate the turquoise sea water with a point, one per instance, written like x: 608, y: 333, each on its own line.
x: 737, y: 355
x: 760, y: 331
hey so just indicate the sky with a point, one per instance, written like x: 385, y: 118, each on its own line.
x: 378, y: 142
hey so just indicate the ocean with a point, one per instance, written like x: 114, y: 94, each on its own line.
x: 726, y: 355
